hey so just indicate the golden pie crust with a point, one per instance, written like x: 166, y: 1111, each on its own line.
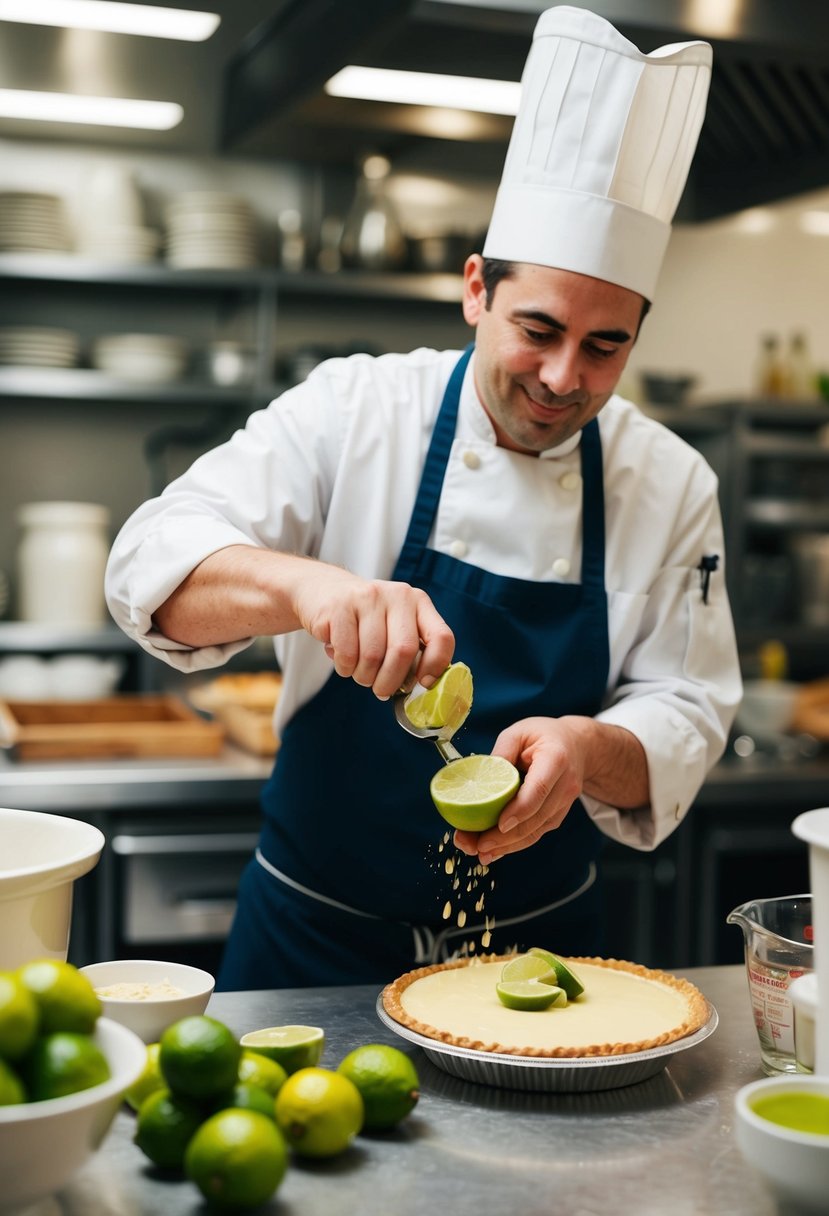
x: 649, y: 997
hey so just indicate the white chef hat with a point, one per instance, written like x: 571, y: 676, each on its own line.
x: 600, y: 151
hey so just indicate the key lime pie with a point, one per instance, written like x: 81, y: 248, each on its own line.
x: 622, y: 1008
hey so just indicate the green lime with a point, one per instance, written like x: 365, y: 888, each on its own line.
x: 237, y: 1159
x: 165, y: 1126
x: 11, y: 1087
x: 256, y: 1069
x: 529, y: 995
x: 19, y: 1017
x: 566, y: 976
x: 65, y: 997
x: 387, y: 1081
x: 320, y: 1112
x: 293, y: 1047
x: 64, y: 1063
x: 470, y: 793
x: 148, y: 1082
x: 529, y: 967
x: 446, y: 703
x: 199, y: 1057
x: 247, y: 1097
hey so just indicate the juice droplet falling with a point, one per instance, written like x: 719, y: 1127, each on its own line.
x: 449, y: 865
x: 447, y: 910
x: 461, y: 918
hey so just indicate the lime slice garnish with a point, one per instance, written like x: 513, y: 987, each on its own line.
x: 446, y: 704
x: 470, y: 793
x: 565, y: 975
x: 529, y: 995
x: 293, y: 1047
x: 529, y: 967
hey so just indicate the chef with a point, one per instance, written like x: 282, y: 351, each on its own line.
x: 502, y: 505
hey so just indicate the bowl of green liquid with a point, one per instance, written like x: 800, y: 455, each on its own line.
x: 782, y: 1129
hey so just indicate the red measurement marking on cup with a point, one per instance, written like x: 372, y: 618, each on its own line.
x: 808, y: 934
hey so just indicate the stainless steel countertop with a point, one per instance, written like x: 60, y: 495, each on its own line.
x: 664, y: 1147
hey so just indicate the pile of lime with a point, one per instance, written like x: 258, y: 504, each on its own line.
x: 228, y: 1113
x: 537, y: 980
x: 48, y: 1011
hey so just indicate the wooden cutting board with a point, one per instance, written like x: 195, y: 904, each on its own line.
x: 128, y: 726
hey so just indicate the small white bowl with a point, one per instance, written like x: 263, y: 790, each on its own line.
x: 148, y: 1018
x: 796, y: 1164
x: 43, y: 1143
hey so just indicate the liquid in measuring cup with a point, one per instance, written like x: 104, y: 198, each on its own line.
x: 778, y: 949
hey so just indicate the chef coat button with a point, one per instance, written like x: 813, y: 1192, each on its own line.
x: 472, y: 460
x: 561, y: 567
x: 458, y: 548
x: 570, y: 481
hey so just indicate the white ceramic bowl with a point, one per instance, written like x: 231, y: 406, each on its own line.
x: 767, y: 708
x: 43, y: 1143
x: 40, y: 858
x: 796, y: 1164
x: 150, y: 1017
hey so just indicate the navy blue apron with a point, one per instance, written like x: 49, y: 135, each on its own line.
x: 350, y: 883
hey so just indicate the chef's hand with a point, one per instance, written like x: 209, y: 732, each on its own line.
x: 560, y: 758
x: 372, y: 629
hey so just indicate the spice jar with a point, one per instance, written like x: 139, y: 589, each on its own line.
x: 61, y: 561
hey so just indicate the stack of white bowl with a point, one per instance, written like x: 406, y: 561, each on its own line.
x: 111, y: 224
x: 150, y: 358
x: 210, y: 230
x: 38, y: 346
x: 32, y: 223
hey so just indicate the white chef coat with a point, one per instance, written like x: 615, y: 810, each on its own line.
x: 331, y: 469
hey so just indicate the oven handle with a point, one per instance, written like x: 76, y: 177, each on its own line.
x: 206, y: 842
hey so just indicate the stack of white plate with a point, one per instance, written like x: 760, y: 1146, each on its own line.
x: 210, y: 230
x: 120, y: 244
x: 151, y: 358
x: 32, y: 223
x: 30, y: 346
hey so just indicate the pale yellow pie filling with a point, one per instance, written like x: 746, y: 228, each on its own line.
x: 624, y: 1008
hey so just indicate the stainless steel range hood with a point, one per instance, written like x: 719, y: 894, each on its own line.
x: 766, y: 135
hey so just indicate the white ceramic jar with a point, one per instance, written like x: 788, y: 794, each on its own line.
x: 61, y: 561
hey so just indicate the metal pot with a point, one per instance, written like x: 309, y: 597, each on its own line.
x: 811, y: 557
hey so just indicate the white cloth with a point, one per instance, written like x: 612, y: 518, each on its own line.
x: 600, y: 151
x: 331, y: 470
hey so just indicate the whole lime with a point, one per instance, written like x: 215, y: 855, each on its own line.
x: 247, y: 1097
x: 319, y: 1111
x: 64, y: 1063
x: 258, y: 1070
x: 149, y: 1081
x: 387, y: 1081
x: 19, y: 1017
x: 65, y: 997
x: 11, y: 1087
x: 199, y: 1057
x: 237, y: 1159
x: 165, y: 1126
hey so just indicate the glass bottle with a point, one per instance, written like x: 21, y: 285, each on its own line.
x: 800, y: 372
x: 372, y: 237
x: 769, y: 376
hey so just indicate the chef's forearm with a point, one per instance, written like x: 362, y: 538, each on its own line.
x: 236, y: 593
x: 616, y: 767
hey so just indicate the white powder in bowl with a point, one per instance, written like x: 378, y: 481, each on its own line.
x: 128, y: 991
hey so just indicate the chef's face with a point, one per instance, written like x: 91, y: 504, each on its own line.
x: 549, y: 349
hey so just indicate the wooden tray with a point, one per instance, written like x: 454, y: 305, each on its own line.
x: 252, y: 729
x: 113, y: 727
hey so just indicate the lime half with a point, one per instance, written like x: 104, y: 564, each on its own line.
x: 470, y: 793
x: 529, y: 995
x: 446, y: 704
x: 293, y: 1047
x: 566, y: 977
x: 529, y: 967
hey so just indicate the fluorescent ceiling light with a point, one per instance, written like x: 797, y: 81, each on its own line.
x: 93, y: 111
x: 113, y: 18
x: 426, y: 89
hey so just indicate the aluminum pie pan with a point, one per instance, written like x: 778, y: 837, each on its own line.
x: 586, y: 1074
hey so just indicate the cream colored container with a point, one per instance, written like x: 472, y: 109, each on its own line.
x: 61, y: 561
x: 40, y: 858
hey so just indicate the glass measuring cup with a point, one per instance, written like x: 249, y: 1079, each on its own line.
x: 777, y: 935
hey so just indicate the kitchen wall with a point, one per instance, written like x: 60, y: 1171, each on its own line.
x: 723, y: 285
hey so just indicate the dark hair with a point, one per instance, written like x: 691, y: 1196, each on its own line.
x: 495, y: 269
